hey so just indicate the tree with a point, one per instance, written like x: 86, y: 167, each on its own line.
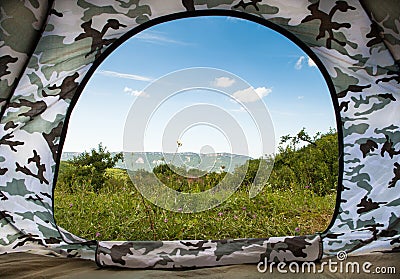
x: 314, y: 165
x: 90, y: 168
x: 247, y: 172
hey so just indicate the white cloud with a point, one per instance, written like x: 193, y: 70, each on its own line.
x: 300, y: 97
x: 299, y: 63
x: 262, y: 91
x: 224, y: 82
x: 157, y: 38
x: 311, y: 63
x: 123, y: 75
x: 250, y: 94
x: 135, y: 93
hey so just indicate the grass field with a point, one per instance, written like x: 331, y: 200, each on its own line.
x: 118, y: 212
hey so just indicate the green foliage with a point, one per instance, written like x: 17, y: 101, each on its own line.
x: 254, y: 172
x: 296, y: 166
x: 313, y: 166
x: 88, y: 169
x: 188, y: 181
x: 249, y: 171
x: 121, y: 213
x: 299, y: 197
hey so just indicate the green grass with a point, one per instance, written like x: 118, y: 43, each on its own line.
x: 118, y: 212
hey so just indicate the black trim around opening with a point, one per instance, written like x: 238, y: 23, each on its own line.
x: 216, y: 12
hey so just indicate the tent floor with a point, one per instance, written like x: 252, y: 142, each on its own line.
x: 24, y: 265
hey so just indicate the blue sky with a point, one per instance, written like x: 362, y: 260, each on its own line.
x: 287, y: 81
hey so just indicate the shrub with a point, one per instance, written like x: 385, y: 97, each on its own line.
x: 88, y: 169
x: 314, y: 166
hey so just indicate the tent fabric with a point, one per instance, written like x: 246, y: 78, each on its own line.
x: 50, y: 49
x: 168, y: 254
x: 30, y: 266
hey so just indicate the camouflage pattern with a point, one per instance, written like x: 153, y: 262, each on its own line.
x: 201, y: 253
x: 16, y: 47
x: 47, y: 50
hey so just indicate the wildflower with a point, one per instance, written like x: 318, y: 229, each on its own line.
x: 71, y: 205
x: 297, y: 229
x: 165, y: 220
x: 254, y: 216
x: 244, y: 208
x: 235, y: 217
x: 180, y: 209
x: 98, y: 234
x: 220, y: 214
x: 307, y: 186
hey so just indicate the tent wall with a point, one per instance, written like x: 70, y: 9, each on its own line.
x: 16, y: 49
x: 49, y: 50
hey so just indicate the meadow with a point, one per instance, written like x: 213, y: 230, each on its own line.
x: 298, y: 199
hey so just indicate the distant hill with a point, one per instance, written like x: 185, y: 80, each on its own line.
x: 148, y: 160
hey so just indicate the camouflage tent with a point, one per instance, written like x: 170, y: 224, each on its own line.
x: 50, y: 49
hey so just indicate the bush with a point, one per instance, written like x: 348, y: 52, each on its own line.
x: 297, y: 166
x: 88, y: 170
x: 187, y: 181
x: 314, y: 166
